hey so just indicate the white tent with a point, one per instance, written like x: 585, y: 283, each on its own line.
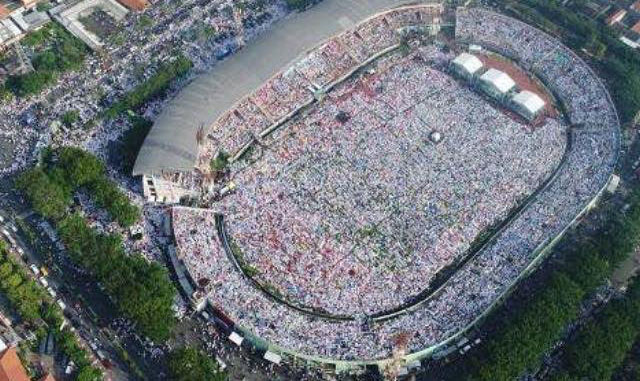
x: 528, y: 104
x: 272, y: 357
x: 236, y: 339
x: 497, y: 82
x: 467, y: 64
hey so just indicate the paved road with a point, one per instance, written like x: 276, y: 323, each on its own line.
x: 68, y: 291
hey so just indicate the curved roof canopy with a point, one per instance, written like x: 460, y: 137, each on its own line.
x: 171, y: 144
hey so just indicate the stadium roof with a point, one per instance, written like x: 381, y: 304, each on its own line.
x: 468, y: 62
x: 530, y: 101
x: 498, y: 79
x: 171, y: 144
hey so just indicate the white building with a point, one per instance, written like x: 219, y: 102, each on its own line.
x: 9, y: 33
x: 496, y: 83
x: 527, y: 104
x: 466, y: 65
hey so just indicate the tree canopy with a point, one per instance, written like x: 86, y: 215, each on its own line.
x: 189, y: 364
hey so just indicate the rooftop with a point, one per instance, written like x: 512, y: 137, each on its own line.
x: 11, y: 368
x: 531, y: 101
x: 469, y: 62
x: 498, y: 79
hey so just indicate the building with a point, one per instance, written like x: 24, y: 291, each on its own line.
x: 9, y: 33
x: 135, y: 5
x: 11, y: 368
x: 527, y: 104
x: 4, y: 12
x: 69, y: 17
x: 466, y: 65
x: 636, y: 6
x: 616, y: 17
x: 636, y: 27
x: 31, y: 21
x: 29, y: 3
x: 496, y: 83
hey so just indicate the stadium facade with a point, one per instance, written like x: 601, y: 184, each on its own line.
x: 172, y: 154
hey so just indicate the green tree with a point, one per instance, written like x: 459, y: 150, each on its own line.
x: 189, y: 364
x: 89, y: 373
x: 47, y: 198
x: 81, y: 167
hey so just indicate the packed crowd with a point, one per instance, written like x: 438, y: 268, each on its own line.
x: 312, y: 199
x: 376, y: 209
x: 28, y: 124
x: 294, y: 87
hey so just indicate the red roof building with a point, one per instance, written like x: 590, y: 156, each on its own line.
x: 11, y: 368
x: 636, y: 6
x: 4, y: 12
x: 616, y: 17
x: 29, y: 3
x: 636, y: 27
x: 136, y: 5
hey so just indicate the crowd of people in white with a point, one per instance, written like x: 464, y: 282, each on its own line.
x: 354, y: 207
x: 357, y: 217
x: 105, y: 78
x: 319, y: 70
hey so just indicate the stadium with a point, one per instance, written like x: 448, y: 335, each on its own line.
x: 372, y: 199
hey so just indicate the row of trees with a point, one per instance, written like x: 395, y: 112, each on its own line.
x: 50, y: 187
x: 189, y: 364
x: 617, y: 62
x: 127, y: 149
x: 155, y: 86
x: 35, y: 308
x: 140, y: 290
x: 56, y: 51
x: 535, y: 326
x: 600, y: 346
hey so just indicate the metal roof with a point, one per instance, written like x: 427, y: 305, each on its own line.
x: 468, y: 62
x: 530, y: 101
x: 171, y: 144
x: 498, y: 79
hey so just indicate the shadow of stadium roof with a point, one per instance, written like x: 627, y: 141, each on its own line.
x: 171, y: 144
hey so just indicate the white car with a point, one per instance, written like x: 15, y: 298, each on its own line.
x: 61, y: 304
x: 1, y: 219
x: 43, y: 281
x: 34, y: 270
x: 51, y: 292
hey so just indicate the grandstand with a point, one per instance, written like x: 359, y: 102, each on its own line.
x: 360, y: 196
